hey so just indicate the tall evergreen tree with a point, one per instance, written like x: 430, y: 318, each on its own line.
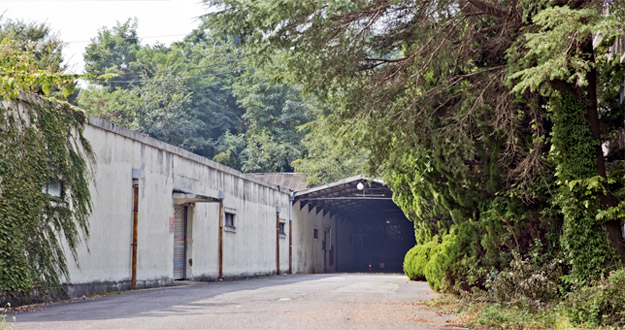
x: 459, y: 102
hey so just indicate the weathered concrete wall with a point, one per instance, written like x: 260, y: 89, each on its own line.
x: 250, y: 249
x: 309, y: 250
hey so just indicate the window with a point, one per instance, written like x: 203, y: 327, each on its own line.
x: 230, y: 220
x: 282, y: 232
x: 53, y: 189
x: 316, y: 233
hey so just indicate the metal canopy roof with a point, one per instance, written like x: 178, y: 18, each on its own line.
x: 345, y: 199
x: 181, y: 197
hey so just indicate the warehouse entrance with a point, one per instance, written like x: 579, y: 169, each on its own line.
x: 372, y: 233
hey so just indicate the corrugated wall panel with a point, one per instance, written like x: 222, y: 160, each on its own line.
x: 179, y: 242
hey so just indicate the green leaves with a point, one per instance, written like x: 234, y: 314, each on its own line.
x: 19, y: 73
x: 552, y: 49
x: 39, y: 146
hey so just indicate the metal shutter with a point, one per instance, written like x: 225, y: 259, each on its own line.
x: 180, y: 242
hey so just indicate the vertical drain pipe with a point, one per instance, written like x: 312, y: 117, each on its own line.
x: 278, y: 209
x: 291, y: 233
x: 136, y: 175
x: 222, y: 195
x: 290, y: 246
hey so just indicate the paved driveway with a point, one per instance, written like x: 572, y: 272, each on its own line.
x: 324, y: 301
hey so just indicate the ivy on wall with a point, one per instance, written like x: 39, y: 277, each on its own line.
x: 42, y: 143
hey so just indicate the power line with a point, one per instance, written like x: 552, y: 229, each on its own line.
x: 165, y: 79
x: 148, y: 37
x: 186, y: 69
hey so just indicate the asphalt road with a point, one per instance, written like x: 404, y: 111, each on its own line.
x: 324, y: 301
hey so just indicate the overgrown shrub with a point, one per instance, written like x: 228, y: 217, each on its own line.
x: 526, y: 282
x: 602, y: 304
x: 416, y: 260
x: 459, y: 262
x: 435, y: 270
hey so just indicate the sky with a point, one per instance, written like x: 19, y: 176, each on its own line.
x: 78, y: 21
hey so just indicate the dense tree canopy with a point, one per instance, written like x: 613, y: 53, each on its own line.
x: 36, y: 39
x: 482, y: 115
x: 202, y: 94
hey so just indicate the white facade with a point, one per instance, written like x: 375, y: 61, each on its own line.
x: 170, y: 178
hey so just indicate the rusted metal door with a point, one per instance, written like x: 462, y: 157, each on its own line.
x: 180, y: 242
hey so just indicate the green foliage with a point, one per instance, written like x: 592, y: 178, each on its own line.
x: 42, y: 143
x: 556, y: 47
x: 36, y: 39
x: 118, y: 106
x: 229, y: 148
x: 435, y: 270
x: 528, y: 282
x: 114, y: 51
x: 201, y: 94
x: 458, y: 262
x: 500, y: 316
x: 20, y: 72
x: 598, y: 306
x: 273, y: 114
x: 573, y: 150
x: 4, y: 325
x: 460, y: 107
x: 416, y: 260
x: 602, y: 304
x: 332, y: 153
x: 178, y: 94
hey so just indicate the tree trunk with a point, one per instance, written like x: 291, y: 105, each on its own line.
x: 613, y: 227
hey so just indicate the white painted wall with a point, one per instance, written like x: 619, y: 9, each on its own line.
x: 249, y: 250
x: 309, y: 252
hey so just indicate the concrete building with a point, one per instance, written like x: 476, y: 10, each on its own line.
x: 197, y: 219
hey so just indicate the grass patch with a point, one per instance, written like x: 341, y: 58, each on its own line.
x: 477, y: 314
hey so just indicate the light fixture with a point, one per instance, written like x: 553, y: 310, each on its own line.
x: 360, y: 186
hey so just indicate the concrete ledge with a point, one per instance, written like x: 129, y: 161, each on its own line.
x: 86, y: 289
x: 82, y: 289
x: 245, y: 276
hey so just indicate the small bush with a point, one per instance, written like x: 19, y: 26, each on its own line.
x: 526, y: 282
x: 457, y: 264
x: 602, y: 304
x: 416, y: 259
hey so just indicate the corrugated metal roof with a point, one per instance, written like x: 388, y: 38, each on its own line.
x: 292, y: 181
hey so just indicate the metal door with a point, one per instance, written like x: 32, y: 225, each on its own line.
x: 324, y: 246
x: 180, y: 242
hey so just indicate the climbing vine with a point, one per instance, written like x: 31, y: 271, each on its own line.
x: 573, y: 153
x: 44, y: 177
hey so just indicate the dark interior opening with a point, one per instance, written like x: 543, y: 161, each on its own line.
x: 372, y: 234
x: 373, y: 241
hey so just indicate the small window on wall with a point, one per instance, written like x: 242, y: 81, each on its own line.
x: 282, y: 232
x: 229, y: 220
x: 53, y: 189
x: 315, y: 233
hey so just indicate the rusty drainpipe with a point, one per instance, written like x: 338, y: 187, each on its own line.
x: 222, y: 195
x: 278, y: 209
x: 291, y: 233
x: 136, y: 175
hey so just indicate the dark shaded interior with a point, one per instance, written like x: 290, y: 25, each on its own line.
x: 372, y: 233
